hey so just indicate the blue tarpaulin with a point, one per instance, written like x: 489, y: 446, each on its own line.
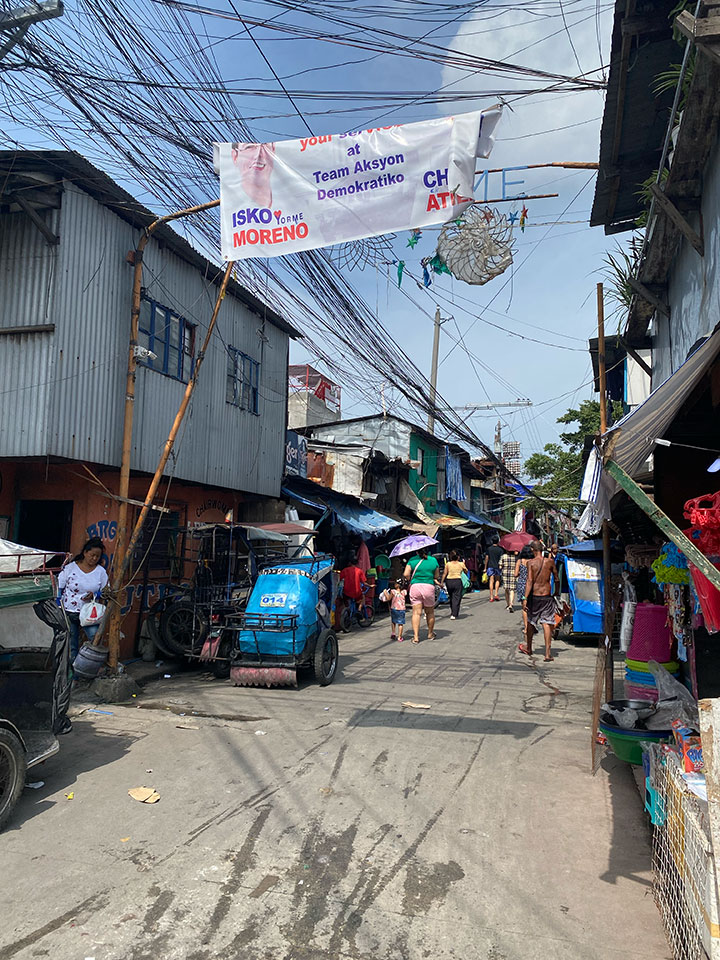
x: 354, y: 517
x: 478, y: 518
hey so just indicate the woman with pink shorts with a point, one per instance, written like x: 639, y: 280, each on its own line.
x: 423, y: 572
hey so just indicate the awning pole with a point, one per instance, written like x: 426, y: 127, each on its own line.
x: 607, y: 561
x: 664, y: 523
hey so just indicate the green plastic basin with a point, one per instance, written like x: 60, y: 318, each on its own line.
x: 627, y: 744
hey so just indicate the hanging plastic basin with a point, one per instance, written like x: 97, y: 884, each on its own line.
x: 640, y: 666
x: 627, y: 744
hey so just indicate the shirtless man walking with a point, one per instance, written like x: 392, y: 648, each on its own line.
x: 538, y: 601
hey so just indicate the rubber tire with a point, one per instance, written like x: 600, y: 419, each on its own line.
x: 324, y: 673
x: 345, y: 620
x: 221, y: 668
x: 186, y: 613
x: 13, y: 766
x: 154, y: 629
x: 366, y: 621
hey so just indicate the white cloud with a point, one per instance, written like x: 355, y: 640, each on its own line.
x: 513, y: 37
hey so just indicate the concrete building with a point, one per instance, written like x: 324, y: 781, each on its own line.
x: 66, y: 230
x: 312, y: 397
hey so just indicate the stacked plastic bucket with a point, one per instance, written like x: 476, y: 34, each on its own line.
x: 651, y: 640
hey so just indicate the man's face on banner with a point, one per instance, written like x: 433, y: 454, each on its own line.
x: 255, y: 162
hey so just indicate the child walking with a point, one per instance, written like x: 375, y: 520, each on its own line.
x: 398, y: 600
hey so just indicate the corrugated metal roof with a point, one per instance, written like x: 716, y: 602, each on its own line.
x: 635, y: 117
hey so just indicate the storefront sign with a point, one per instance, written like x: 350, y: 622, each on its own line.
x: 292, y: 195
x: 296, y: 456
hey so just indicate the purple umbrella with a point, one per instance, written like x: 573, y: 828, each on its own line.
x: 412, y: 543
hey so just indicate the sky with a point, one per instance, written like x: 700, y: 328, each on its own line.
x: 524, y: 334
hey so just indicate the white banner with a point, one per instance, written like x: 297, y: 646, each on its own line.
x: 293, y: 195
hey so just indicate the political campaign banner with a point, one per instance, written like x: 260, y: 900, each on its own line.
x: 292, y: 195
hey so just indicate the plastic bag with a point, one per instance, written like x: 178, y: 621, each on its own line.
x: 673, y: 696
x: 628, y: 613
x: 625, y: 717
x: 465, y: 580
x: 91, y: 614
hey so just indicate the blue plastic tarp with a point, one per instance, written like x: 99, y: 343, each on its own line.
x: 479, y: 518
x: 354, y: 517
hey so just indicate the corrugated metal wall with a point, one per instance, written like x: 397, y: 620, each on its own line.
x: 220, y: 445
x: 28, y: 275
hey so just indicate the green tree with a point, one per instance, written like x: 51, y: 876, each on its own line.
x: 559, y: 467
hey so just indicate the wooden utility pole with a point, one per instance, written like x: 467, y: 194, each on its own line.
x: 607, y: 558
x: 122, y: 555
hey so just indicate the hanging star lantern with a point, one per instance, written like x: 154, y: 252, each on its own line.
x: 414, y: 237
x: 523, y: 217
x: 488, y: 214
x: 512, y: 217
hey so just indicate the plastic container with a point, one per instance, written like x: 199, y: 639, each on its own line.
x: 651, y: 638
x: 708, y: 595
x: 634, y: 691
x: 90, y: 660
x: 640, y: 666
x: 627, y: 744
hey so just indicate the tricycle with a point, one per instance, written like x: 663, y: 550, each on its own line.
x: 286, y: 625
x: 223, y: 564
x: 34, y: 680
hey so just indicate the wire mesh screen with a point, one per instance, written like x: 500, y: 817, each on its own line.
x: 684, y: 884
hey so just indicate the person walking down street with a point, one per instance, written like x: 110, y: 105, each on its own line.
x: 492, y: 567
x: 423, y: 572
x: 397, y: 596
x: 452, y: 581
x: 508, y: 562
x: 79, y: 582
x: 521, y: 575
x: 539, y: 600
x: 353, y: 580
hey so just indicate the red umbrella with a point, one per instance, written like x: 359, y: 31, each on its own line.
x: 514, y: 542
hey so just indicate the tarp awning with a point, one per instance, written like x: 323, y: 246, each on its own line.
x: 354, y: 517
x: 480, y: 519
x: 631, y: 441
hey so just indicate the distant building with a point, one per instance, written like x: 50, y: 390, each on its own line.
x: 312, y: 397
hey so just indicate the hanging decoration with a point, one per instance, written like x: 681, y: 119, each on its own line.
x: 413, y: 238
x: 477, y: 248
x: 427, y: 279
x: 369, y: 252
x: 436, y: 262
x: 513, y: 217
x: 400, y: 268
x: 523, y: 217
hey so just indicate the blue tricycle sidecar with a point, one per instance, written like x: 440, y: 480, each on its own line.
x: 286, y: 625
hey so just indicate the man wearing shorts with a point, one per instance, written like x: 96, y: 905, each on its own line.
x: 423, y: 573
x: 539, y: 600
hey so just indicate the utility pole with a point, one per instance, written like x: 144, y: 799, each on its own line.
x: 123, y: 552
x: 607, y: 558
x: 434, y: 370
x: 21, y: 18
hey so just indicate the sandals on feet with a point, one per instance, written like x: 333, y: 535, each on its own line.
x: 523, y: 649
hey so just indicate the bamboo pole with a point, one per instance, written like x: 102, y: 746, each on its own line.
x: 607, y: 556
x: 119, y: 558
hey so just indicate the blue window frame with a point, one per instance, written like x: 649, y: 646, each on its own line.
x: 243, y: 381
x: 170, y: 337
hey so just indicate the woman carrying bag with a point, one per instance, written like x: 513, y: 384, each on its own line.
x: 423, y: 572
x: 452, y: 580
x: 80, y: 581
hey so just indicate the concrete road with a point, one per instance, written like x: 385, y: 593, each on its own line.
x: 334, y: 823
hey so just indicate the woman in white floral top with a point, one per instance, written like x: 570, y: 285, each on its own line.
x: 80, y: 582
